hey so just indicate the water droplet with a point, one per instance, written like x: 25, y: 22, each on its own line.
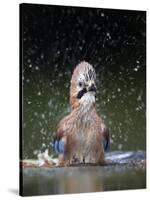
x: 119, y: 90
x: 139, y: 98
x: 58, y: 52
x: 43, y: 145
x: 36, y: 68
x: 120, y: 146
x: 43, y: 116
x: 42, y: 55
x: 135, y: 69
x: 29, y: 60
x: 35, y: 113
x: 80, y: 47
x: 39, y: 93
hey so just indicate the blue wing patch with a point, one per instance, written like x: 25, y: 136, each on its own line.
x: 106, y: 140
x: 59, y: 146
x: 106, y: 144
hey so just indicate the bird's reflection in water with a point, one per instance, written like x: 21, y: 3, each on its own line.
x: 83, y: 183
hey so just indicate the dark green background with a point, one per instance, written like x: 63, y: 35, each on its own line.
x: 54, y: 40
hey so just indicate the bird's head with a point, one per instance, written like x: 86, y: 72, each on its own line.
x: 83, y: 87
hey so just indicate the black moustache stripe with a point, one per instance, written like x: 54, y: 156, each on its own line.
x: 81, y: 93
x: 90, y: 72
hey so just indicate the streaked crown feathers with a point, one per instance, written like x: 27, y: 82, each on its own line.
x: 82, y: 81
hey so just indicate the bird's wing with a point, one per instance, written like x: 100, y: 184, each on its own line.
x: 106, y: 140
x: 59, y: 142
x: 60, y: 138
x: 103, y: 133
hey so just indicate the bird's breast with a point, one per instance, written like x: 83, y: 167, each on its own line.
x: 85, y: 135
x: 83, y: 141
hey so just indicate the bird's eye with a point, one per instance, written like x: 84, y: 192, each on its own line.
x: 80, y: 84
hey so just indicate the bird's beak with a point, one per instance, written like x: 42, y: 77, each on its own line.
x: 92, y: 88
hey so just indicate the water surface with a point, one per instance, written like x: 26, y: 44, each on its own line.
x: 82, y: 179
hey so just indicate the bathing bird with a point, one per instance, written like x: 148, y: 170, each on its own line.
x: 81, y: 136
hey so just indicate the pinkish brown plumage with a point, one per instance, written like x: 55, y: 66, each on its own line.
x: 81, y: 136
